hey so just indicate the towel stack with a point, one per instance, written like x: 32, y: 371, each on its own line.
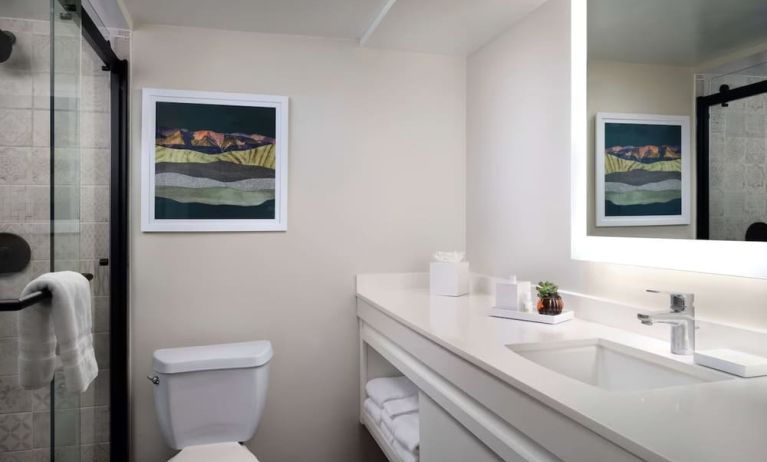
x: 392, y: 404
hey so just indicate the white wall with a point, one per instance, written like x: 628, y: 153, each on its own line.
x: 639, y: 89
x: 377, y: 167
x: 518, y: 192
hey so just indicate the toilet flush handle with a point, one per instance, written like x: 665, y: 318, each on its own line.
x: 154, y: 379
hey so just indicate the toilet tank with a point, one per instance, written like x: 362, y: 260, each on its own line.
x: 211, y: 394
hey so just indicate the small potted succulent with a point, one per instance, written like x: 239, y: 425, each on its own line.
x: 549, y: 301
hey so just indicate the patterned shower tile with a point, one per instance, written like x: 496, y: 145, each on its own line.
x: 41, y: 90
x: 62, y: 400
x: 94, y: 425
x: 16, y: 90
x: 101, y: 345
x: 16, y: 125
x: 16, y: 431
x: 97, y: 393
x: 95, y: 453
x: 38, y: 201
x: 754, y: 125
x: 94, y: 166
x: 95, y: 131
x: 67, y: 428
x: 67, y: 453
x: 40, y: 133
x: 32, y: 455
x: 94, y: 204
x: 8, y: 324
x: 14, y: 165
x: 40, y: 166
x: 41, y: 399
x: 100, y: 314
x: 95, y: 93
x: 9, y: 350
x: 755, y: 177
x: 13, y: 398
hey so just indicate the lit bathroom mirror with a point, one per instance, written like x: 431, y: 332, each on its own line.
x: 670, y: 134
x: 677, y: 93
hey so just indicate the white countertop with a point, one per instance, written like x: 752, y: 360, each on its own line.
x: 717, y: 421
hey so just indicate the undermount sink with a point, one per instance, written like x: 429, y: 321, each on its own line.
x: 614, y: 367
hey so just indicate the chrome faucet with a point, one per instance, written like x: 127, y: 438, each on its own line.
x: 682, y: 320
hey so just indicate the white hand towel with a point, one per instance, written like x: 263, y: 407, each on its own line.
x: 404, y: 454
x: 398, y: 407
x: 372, y: 410
x: 63, y: 321
x: 386, y: 389
x: 407, y: 431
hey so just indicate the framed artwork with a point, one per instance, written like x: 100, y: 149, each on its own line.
x: 643, y: 170
x: 213, y: 161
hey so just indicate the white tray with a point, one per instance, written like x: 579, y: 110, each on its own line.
x: 532, y: 316
x: 734, y: 362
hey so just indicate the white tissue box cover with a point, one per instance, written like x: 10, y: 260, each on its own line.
x: 733, y: 362
x: 451, y: 279
x: 511, y: 294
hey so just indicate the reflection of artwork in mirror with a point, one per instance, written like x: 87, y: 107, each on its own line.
x: 643, y: 170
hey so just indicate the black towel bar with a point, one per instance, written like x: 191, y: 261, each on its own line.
x: 16, y: 304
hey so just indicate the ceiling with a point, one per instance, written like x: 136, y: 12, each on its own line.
x: 436, y: 26
x: 678, y: 32
x: 456, y: 27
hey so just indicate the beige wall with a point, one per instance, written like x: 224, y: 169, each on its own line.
x: 639, y: 89
x: 376, y: 184
x: 518, y: 184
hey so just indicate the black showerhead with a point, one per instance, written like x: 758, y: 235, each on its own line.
x: 7, y: 39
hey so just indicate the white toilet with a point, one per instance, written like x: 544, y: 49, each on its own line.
x: 209, y: 399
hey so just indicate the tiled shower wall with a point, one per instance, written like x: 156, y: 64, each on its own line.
x: 738, y: 162
x: 82, y: 192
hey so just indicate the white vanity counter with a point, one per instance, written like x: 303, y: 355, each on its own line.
x: 717, y: 421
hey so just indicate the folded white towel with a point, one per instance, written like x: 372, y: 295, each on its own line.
x: 404, y: 454
x: 398, y: 407
x: 387, y: 434
x: 63, y: 321
x: 372, y: 410
x: 407, y: 431
x: 387, y: 421
x: 385, y: 389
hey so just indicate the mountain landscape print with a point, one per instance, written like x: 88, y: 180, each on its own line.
x: 214, y: 162
x: 642, y: 170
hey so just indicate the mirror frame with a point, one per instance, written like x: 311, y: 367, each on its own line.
x: 746, y: 259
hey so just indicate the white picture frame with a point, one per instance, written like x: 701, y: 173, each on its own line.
x: 150, y: 222
x: 603, y: 219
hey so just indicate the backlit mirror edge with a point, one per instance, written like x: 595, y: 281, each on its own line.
x: 745, y: 259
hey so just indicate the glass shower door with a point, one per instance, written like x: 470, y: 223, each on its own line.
x: 65, y: 47
x: 54, y: 194
x: 81, y: 221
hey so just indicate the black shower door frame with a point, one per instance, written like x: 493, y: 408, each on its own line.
x: 702, y: 116
x: 118, y: 237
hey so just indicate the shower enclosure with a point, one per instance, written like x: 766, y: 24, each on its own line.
x: 732, y: 155
x: 63, y: 195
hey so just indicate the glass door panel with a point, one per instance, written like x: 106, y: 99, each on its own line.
x: 65, y: 82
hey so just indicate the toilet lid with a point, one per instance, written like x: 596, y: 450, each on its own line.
x: 220, y: 452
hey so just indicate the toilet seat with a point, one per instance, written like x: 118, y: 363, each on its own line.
x: 219, y: 452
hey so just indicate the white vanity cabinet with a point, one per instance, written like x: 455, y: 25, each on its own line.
x: 444, y: 439
x: 468, y: 413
